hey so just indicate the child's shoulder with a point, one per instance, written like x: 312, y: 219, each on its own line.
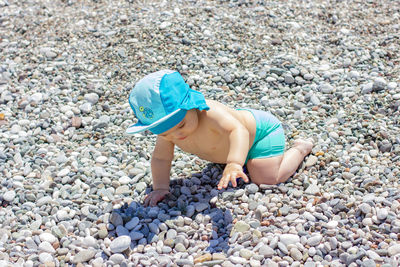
x: 218, y: 110
x: 217, y: 106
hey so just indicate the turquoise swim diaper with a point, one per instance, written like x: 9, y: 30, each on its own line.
x: 269, y: 140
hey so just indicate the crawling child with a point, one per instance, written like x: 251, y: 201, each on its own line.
x: 165, y: 105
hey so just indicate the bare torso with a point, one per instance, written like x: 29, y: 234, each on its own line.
x: 210, y: 142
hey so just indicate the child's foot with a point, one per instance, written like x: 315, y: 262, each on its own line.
x: 304, y: 146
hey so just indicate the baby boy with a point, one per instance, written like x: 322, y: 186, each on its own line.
x: 165, y: 105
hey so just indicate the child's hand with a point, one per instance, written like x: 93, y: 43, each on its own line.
x: 231, y: 172
x: 154, y: 197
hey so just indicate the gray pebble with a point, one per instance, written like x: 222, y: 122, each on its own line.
x: 132, y: 223
x: 84, y: 256
x: 120, y: 244
x: 135, y: 235
x: 314, y: 240
x: 252, y: 188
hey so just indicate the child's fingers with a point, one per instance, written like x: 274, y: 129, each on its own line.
x: 146, y: 201
x: 154, y: 201
x: 244, y: 177
x: 228, y: 179
x: 223, y: 183
x: 233, y: 181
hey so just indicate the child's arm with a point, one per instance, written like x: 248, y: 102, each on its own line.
x: 238, y: 136
x: 238, y: 149
x: 160, y: 167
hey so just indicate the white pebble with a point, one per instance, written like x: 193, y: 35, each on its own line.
x: 63, y: 172
x: 48, y: 237
x: 9, y: 195
x: 45, y: 257
x: 46, y: 247
x: 101, y: 159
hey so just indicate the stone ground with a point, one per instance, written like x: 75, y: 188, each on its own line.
x: 72, y: 182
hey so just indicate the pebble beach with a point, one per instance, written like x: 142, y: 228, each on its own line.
x: 72, y: 183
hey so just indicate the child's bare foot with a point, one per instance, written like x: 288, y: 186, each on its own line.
x: 304, y: 146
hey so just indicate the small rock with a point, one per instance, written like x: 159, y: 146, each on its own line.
x: 326, y: 88
x: 120, y: 244
x: 76, y: 122
x: 116, y: 219
x: 85, y: 108
x: 135, y: 235
x: 379, y: 84
x: 117, y: 258
x: 140, y: 187
x: 365, y: 208
x: 296, y: 254
x: 311, y: 160
x: 246, y: 253
x: 63, y: 172
x: 241, y: 226
x: 9, y: 195
x: 314, y: 240
x: 46, y: 247
x: 84, y: 256
x: 45, y: 257
x: 288, y: 239
x: 101, y: 159
x: 201, y: 206
x: 48, y: 237
x: 366, y: 88
x: 312, y: 189
x: 252, y: 188
x: 394, y: 250
x: 382, y: 213
x: 92, y: 98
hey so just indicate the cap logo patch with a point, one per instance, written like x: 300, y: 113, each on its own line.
x: 147, y: 112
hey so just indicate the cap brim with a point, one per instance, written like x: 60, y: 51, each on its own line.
x: 160, y: 126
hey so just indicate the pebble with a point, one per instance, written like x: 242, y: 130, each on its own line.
x: 326, y: 88
x: 314, y: 240
x: 245, y: 253
x: 132, y: 223
x: 311, y: 161
x: 382, y: 213
x: 120, y: 244
x: 312, y: 189
x: 394, y: 250
x: 90, y: 241
x: 365, y: 208
x: 101, y: 159
x: 201, y: 207
x: 252, y: 188
x: 237, y: 260
x: 379, y: 84
x: 46, y: 247
x: 266, y: 251
x: 296, y: 254
x: 92, y: 98
x: 48, y: 237
x: 241, y: 226
x: 45, y: 257
x: 134, y: 235
x: 9, y: 195
x: 288, y: 239
x: 83, y: 256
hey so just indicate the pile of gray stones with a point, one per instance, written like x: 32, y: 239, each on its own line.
x: 72, y: 182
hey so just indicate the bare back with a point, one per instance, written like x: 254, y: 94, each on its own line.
x: 210, y: 141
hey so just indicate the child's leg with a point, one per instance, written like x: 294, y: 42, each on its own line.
x: 278, y: 169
